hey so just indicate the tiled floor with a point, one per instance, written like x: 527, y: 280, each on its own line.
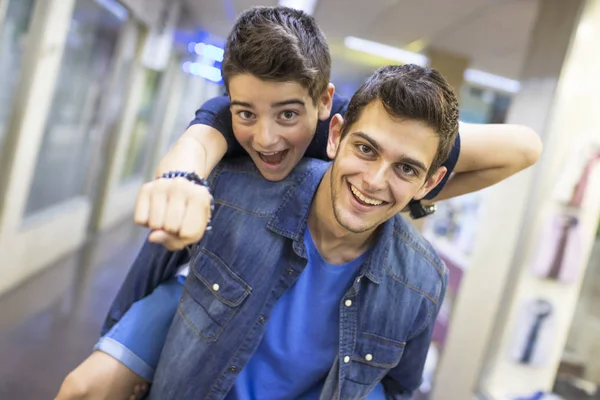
x: 50, y: 324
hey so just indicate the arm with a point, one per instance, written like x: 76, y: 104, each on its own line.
x: 177, y: 211
x: 402, y: 381
x: 489, y: 154
x: 199, y: 149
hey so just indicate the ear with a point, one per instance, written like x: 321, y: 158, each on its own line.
x: 335, y: 134
x: 326, y: 102
x: 431, y: 183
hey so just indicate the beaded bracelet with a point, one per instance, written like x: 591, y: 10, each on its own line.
x: 194, y: 178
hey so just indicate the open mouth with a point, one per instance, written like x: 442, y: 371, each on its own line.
x: 273, y: 157
x: 362, y: 199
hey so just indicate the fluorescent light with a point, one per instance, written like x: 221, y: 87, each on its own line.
x: 308, y: 6
x: 214, y: 52
x: 407, y: 57
x: 207, y: 50
x: 491, y: 81
x: 385, y: 51
x: 205, y: 71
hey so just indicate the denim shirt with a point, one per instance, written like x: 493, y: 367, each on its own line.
x: 255, y: 252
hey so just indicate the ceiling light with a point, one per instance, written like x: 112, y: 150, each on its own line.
x: 407, y: 57
x: 385, y: 51
x: 491, y: 81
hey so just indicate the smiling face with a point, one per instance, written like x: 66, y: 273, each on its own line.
x: 379, y: 166
x: 275, y: 121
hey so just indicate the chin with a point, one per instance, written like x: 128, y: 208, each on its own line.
x: 353, y: 224
x: 274, y: 176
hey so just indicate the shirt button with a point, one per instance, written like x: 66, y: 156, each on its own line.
x: 348, y: 303
x: 346, y: 360
x: 369, y: 357
x: 216, y: 287
x: 262, y: 319
x: 233, y: 368
x: 290, y: 272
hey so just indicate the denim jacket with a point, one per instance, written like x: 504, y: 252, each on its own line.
x: 255, y: 252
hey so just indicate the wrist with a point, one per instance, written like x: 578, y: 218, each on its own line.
x: 186, y: 155
x: 419, y: 210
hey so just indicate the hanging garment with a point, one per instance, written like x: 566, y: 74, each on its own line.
x: 558, y: 253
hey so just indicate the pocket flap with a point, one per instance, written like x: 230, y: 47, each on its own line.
x: 377, y: 351
x: 219, y: 279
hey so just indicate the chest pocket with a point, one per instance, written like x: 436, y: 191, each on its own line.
x: 372, y: 358
x: 213, y: 294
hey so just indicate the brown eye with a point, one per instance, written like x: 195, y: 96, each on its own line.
x: 364, y: 149
x: 288, y: 115
x: 246, y: 115
x: 406, y: 169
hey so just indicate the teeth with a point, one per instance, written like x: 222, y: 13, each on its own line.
x: 367, y: 200
x: 272, y: 153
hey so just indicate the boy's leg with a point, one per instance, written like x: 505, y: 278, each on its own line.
x: 101, y: 377
x: 128, y: 354
x: 138, y: 339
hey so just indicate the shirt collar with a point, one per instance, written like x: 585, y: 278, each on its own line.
x: 291, y: 218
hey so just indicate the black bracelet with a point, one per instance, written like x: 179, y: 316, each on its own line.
x: 194, y: 178
x: 190, y: 176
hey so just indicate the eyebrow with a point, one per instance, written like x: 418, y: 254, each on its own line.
x: 233, y: 103
x: 288, y: 102
x: 240, y: 104
x: 402, y: 159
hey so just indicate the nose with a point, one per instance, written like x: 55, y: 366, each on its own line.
x: 375, y: 177
x: 265, y: 138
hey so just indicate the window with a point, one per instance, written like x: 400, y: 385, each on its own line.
x: 13, y: 34
x: 62, y: 165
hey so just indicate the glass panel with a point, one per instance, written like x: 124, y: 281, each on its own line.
x: 191, y: 100
x: 66, y: 148
x: 141, y: 138
x: 13, y: 33
x: 114, y: 103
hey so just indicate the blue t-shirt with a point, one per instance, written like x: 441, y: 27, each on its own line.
x: 301, y: 338
x: 216, y: 114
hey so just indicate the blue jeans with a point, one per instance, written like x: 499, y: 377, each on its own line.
x: 138, y: 338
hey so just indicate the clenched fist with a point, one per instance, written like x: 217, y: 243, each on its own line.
x: 176, y: 210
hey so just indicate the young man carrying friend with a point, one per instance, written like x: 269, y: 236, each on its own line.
x: 314, y: 286
x: 274, y: 114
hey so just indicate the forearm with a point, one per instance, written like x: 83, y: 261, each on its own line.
x: 199, y: 149
x: 469, y: 182
x: 489, y: 154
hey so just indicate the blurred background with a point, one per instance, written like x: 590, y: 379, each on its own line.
x: 94, y: 92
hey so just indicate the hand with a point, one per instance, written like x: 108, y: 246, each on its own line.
x: 176, y: 210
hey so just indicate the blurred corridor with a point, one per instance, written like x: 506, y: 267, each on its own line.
x: 94, y: 92
x: 51, y: 323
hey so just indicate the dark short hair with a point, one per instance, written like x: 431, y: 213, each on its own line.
x: 412, y: 92
x: 278, y: 44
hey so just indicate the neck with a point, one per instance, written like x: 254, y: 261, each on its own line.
x: 336, y: 244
